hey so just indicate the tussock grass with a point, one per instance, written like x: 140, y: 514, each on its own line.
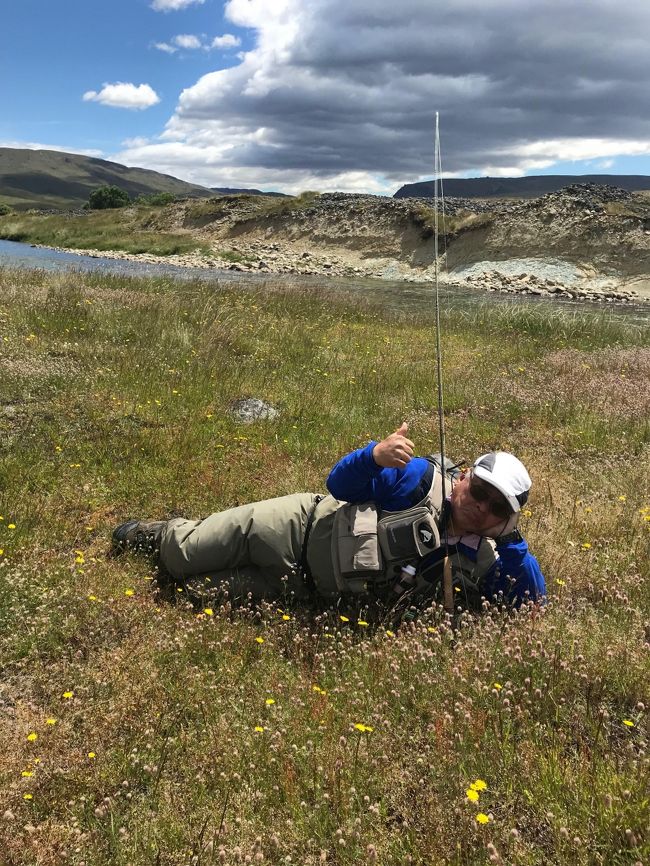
x: 171, y: 735
x: 202, y: 213
x: 424, y: 218
x: 124, y: 229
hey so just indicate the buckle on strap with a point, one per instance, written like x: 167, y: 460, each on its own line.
x: 303, y: 566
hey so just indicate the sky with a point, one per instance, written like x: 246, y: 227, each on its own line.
x: 295, y: 95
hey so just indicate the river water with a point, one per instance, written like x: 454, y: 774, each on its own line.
x: 393, y: 294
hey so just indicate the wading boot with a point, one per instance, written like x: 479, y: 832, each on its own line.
x: 139, y: 536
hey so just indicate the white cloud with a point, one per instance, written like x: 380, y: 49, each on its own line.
x: 166, y: 47
x: 206, y: 166
x: 582, y: 148
x: 346, y: 92
x: 173, y: 5
x: 136, y: 141
x: 226, y: 41
x: 34, y: 145
x: 124, y: 95
x: 187, y: 40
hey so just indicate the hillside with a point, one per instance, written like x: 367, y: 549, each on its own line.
x: 520, y: 187
x: 594, y: 232
x: 49, y: 179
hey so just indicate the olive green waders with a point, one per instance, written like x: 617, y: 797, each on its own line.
x: 253, y: 550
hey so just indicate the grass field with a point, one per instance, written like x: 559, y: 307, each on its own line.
x: 139, y: 731
x: 126, y: 229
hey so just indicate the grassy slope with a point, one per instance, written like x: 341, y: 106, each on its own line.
x: 127, y: 229
x: 50, y: 179
x: 114, y: 402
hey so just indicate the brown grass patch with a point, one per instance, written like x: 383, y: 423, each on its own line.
x: 611, y: 382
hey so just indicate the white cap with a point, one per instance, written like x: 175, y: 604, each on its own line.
x: 508, y: 474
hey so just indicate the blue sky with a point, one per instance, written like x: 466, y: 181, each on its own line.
x: 52, y: 53
x: 319, y: 94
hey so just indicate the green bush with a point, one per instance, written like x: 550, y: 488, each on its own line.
x: 4, y: 209
x: 156, y: 198
x: 108, y: 197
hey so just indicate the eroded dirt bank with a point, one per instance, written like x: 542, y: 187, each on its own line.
x: 584, y: 241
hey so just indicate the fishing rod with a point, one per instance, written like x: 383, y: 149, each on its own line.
x: 438, y: 193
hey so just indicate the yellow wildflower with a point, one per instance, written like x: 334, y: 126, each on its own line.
x: 560, y: 582
x: 28, y: 796
x: 259, y: 640
x: 11, y: 526
x: 628, y: 723
x: 68, y: 694
x: 344, y: 618
x: 31, y: 737
x: 286, y: 617
x: 27, y: 774
x: 270, y: 701
x: 390, y: 633
x: 92, y: 598
x: 472, y: 795
x: 362, y: 623
x: 479, y: 785
x: 259, y: 729
x: 497, y: 685
x: 586, y: 545
x: 50, y: 721
x: 622, y: 498
x: 208, y: 611
x: 482, y: 818
x: 129, y: 592
x: 92, y: 755
x: 365, y: 729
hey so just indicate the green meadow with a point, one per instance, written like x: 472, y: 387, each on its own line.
x: 131, y: 230
x: 141, y: 728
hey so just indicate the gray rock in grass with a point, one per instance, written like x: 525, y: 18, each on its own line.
x: 250, y: 409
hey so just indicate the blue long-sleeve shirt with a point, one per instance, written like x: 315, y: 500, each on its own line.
x: 357, y: 478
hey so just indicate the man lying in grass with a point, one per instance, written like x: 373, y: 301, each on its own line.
x: 384, y: 533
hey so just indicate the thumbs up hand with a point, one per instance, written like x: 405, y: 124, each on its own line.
x: 395, y: 450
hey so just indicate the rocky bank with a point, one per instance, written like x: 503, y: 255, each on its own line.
x: 586, y: 240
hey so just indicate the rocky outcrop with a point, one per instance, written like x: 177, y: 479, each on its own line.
x: 597, y: 236
x: 530, y: 284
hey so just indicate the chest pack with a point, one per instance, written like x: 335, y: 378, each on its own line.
x: 370, y: 546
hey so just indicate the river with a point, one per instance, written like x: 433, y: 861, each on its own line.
x: 394, y: 294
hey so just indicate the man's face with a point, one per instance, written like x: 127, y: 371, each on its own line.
x: 477, y: 515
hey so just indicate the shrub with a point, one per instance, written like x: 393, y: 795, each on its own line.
x: 108, y: 197
x: 156, y: 198
x: 4, y: 209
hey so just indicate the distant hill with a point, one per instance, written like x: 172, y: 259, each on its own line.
x: 227, y: 190
x: 519, y: 187
x: 63, y: 181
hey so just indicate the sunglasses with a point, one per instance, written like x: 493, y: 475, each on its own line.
x: 496, y: 504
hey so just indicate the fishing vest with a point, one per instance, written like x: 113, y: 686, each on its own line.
x: 357, y: 548
x: 370, y: 546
